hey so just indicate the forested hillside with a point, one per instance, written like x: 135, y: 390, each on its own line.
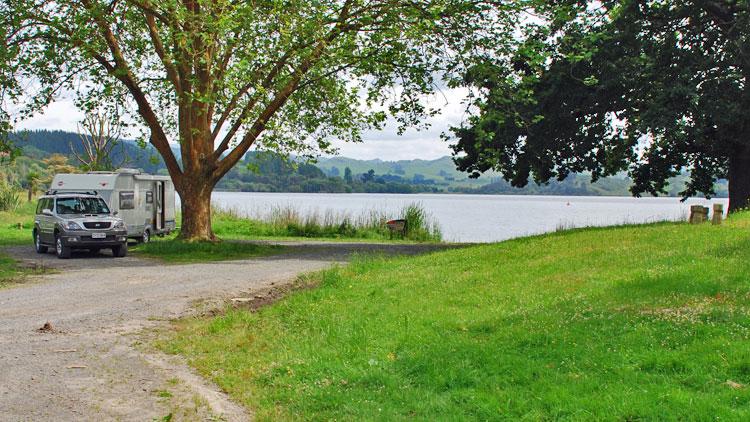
x: 440, y: 170
x: 264, y: 172
x: 42, y: 143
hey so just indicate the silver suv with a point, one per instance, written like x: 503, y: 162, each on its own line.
x: 77, y: 220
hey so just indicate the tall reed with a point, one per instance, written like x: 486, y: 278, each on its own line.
x: 419, y: 224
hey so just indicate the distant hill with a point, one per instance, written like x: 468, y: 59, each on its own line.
x: 39, y: 144
x: 442, y: 170
x: 266, y: 173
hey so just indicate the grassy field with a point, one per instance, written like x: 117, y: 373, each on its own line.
x: 628, y: 323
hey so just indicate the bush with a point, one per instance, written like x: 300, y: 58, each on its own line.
x: 9, y: 200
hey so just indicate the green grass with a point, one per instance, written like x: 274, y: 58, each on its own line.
x: 10, y: 235
x: 175, y: 251
x: 629, y: 323
x: 9, y: 271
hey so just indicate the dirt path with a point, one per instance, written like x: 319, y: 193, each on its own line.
x: 91, y: 364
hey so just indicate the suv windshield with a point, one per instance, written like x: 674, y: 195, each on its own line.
x: 78, y: 205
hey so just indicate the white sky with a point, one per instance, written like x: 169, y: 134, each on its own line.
x: 385, y: 145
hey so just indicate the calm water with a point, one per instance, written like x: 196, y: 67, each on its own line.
x: 478, y: 218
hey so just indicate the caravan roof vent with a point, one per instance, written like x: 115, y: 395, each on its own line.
x: 129, y: 171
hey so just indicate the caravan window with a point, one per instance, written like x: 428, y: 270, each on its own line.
x: 149, y: 197
x: 127, y: 200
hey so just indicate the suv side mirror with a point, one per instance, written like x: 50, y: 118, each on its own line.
x: 47, y: 211
x: 115, y: 212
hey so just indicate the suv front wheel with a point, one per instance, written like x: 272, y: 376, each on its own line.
x: 120, y: 251
x: 62, y: 251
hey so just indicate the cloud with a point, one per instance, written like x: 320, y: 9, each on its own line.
x: 60, y: 115
x: 397, y: 149
x: 387, y: 144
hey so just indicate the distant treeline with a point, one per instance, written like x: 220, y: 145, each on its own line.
x: 270, y: 173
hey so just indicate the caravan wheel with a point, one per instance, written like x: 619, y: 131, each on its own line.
x: 146, y: 236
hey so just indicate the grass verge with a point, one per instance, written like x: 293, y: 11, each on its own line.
x: 16, y: 226
x: 9, y: 271
x: 628, y: 323
x: 15, y: 229
x: 175, y: 251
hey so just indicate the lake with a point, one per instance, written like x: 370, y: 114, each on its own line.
x: 477, y: 218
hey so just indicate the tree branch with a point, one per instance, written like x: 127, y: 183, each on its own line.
x: 161, y: 52
x: 336, y: 31
x: 122, y: 72
x: 281, y: 97
x: 267, y: 82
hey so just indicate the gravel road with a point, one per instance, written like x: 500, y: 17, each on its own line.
x: 93, y: 363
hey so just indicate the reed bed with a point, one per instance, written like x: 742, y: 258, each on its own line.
x: 290, y: 221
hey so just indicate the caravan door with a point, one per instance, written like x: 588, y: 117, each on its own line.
x: 159, y: 208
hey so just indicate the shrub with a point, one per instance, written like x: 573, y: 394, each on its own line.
x: 9, y: 200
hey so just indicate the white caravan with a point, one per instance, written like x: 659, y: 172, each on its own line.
x: 145, y: 202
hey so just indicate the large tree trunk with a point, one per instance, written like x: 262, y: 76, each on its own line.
x: 739, y: 179
x: 195, y: 196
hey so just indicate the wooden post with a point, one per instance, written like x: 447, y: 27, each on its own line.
x: 718, y: 214
x: 698, y: 214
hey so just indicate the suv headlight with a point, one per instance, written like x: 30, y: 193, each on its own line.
x: 120, y: 225
x: 72, y: 225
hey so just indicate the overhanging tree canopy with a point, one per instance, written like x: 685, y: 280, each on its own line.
x: 652, y: 87
x: 219, y: 76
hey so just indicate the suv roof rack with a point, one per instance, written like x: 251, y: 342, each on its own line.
x: 56, y: 192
